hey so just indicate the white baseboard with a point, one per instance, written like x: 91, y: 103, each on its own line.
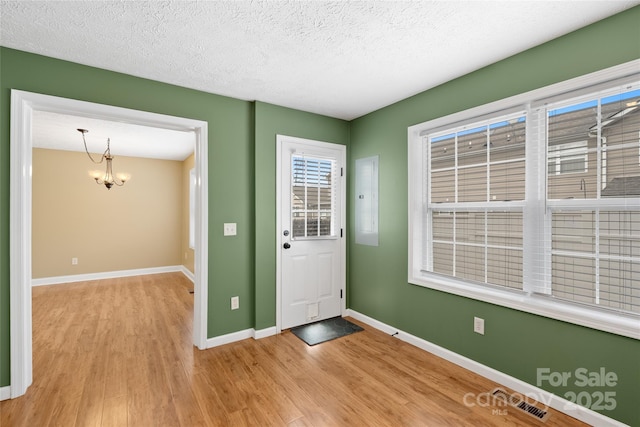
x: 188, y: 273
x: 5, y: 393
x: 106, y: 275
x: 229, y: 338
x: 264, y: 333
x: 556, y: 402
x: 240, y: 335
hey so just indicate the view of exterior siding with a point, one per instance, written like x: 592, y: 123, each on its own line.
x: 476, y: 192
x: 596, y: 252
x: 485, y: 164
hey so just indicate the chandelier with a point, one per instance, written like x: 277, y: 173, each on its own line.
x: 108, y: 179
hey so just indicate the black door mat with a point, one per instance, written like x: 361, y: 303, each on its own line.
x: 325, y: 330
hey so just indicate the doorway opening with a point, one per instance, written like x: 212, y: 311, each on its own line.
x: 23, y: 105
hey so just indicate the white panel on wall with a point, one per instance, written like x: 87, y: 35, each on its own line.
x: 367, y: 201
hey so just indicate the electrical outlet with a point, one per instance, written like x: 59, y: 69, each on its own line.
x: 478, y: 325
x: 74, y: 261
x: 230, y: 229
x: 235, y: 303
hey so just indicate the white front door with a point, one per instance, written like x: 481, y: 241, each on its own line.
x: 311, y: 265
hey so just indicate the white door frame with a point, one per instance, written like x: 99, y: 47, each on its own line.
x: 279, y: 242
x: 22, y: 106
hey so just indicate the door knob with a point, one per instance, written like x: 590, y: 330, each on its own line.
x: 286, y: 245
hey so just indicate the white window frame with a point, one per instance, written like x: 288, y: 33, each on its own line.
x: 534, y: 297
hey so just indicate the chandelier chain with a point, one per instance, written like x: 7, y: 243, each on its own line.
x: 89, y: 154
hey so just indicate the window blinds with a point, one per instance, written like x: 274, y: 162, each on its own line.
x: 312, y: 197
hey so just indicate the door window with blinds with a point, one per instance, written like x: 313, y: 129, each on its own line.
x: 313, y: 189
x: 536, y: 207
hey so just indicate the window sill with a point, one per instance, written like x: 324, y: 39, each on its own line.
x: 626, y: 325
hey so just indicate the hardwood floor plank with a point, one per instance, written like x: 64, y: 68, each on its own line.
x: 116, y: 383
x: 117, y: 353
x: 212, y: 408
x: 65, y: 411
x: 115, y: 412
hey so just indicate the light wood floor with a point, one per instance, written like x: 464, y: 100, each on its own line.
x: 119, y: 353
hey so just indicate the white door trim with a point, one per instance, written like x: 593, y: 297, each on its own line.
x: 22, y: 106
x: 343, y: 213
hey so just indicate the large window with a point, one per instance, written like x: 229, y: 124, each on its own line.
x: 534, y: 203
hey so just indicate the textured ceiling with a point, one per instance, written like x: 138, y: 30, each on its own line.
x: 59, y: 132
x: 342, y: 59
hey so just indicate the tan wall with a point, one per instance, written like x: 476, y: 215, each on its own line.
x: 130, y: 227
x: 187, y: 252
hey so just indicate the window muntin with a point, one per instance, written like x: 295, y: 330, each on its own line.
x: 312, y: 197
x: 597, y: 268
x: 467, y: 245
x: 605, y: 147
x: 483, y: 163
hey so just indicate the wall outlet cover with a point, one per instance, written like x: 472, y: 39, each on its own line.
x: 230, y: 228
x: 478, y: 325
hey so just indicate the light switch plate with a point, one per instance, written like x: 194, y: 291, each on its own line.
x: 230, y: 229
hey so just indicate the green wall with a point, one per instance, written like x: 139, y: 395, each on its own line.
x: 515, y: 343
x: 272, y: 120
x: 230, y: 153
x: 242, y: 144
